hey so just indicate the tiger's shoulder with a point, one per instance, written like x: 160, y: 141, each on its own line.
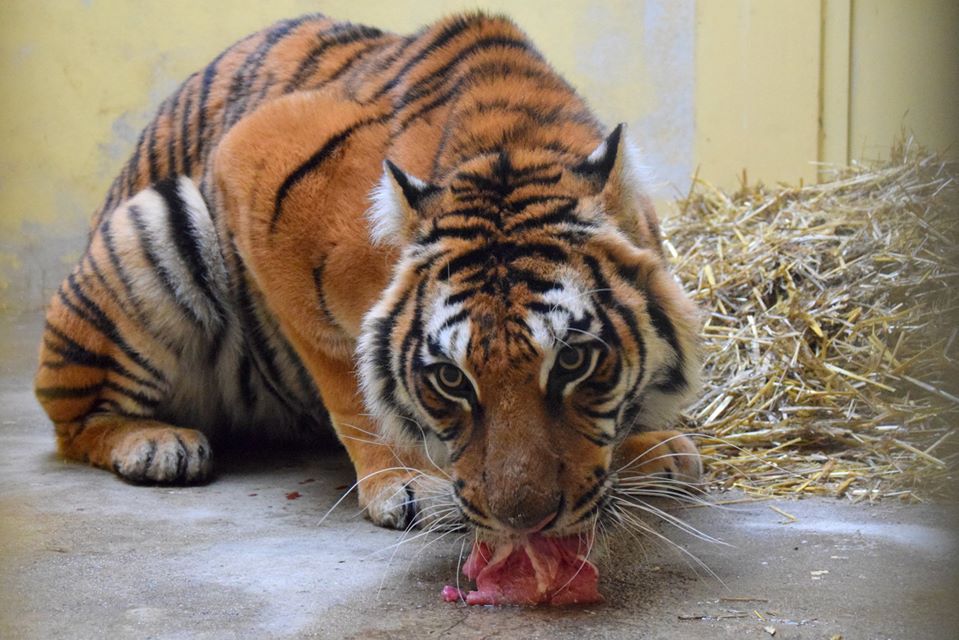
x: 410, y: 76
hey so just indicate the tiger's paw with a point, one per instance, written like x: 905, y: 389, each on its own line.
x: 405, y: 501
x: 164, y: 455
x: 668, y: 455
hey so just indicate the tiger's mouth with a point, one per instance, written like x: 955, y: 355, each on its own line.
x: 570, y: 518
x: 534, y: 569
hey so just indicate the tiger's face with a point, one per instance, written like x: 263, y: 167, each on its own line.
x: 530, y: 326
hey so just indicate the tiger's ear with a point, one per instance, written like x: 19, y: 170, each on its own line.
x: 607, y: 158
x: 615, y: 172
x: 397, y: 201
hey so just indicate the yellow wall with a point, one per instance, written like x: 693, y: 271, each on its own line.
x: 757, y: 89
x: 904, y: 74
x: 784, y: 84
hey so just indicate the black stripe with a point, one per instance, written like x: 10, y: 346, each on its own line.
x: 95, y: 316
x: 451, y: 433
x: 141, y: 399
x: 63, y: 393
x: 239, y: 93
x: 592, y: 511
x: 509, y: 69
x: 363, y: 77
x: 533, y: 281
x: 676, y: 381
x: 111, y: 199
x: 442, y: 100
x: 267, y: 84
x: 603, y: 292
x: 186, y: 117
x: 264, y: 355
x: 106, y: 233
x: 483, y: 183
x: 630, y: 412
x: 106, y: 286
x: 539, y: 181
x: 466, y: 504
x: 413, y: 339
x: 563, y: 215
x: 489, y: 214
x: 187, y: 241
x: 112, y: 407
x: 339, y: 35
x: 457, y: 317
x: 153, y: 154
x: 545, y: 115
x: 629, y: 273
x: 321, y: 296
x: 74, y: 353
x: 437, y: 77
x: 498, y: 253
x: 589, y: 495
x: 314, y: 161
x: 307, y: 386
x: 465, y: 232
x: 383, y: 330
x: 458, y: 26
x: 209, y: 75
x: 172, y: 163
x: 438, y: 415
x: 163, y: 275
x: 133, y: 166
x: 519, y: 204
x: 345, y: 66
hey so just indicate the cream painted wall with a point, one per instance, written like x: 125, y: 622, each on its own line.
x: 757, y: 89
x: 78, y: 80
x: 904, y: 74
x: 782, y: 85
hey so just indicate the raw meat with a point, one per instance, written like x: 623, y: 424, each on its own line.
x: 539, y: 570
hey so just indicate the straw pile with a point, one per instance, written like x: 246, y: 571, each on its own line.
x: 830, y: 330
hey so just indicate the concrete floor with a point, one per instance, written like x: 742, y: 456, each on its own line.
x: 84, y: 555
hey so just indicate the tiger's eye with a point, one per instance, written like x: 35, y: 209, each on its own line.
x: 571, y: 358
x: 450, y: 376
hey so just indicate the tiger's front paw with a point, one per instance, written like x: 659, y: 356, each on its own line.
x: 669, y: 455
x: 406, y: 500
x: 163, y: 454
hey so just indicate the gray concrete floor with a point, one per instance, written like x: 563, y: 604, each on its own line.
x: 84, y: 555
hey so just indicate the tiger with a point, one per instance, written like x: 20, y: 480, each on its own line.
x: 427, y: 243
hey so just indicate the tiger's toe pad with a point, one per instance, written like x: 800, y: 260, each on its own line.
x: 163, y: 455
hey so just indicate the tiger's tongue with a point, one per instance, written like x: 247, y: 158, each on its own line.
x: 540, y: 570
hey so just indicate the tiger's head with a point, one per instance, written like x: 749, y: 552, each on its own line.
x: 531, y: 325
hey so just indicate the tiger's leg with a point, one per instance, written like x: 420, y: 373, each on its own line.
x: 116, y: 334
x: 664, y: 454
x: 137, y: 450
x: 295, y: 217
x: 398, y: 485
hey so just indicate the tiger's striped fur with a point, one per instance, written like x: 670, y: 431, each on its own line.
x: 262, y: 266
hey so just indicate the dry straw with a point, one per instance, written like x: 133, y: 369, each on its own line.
x: 830, y: 331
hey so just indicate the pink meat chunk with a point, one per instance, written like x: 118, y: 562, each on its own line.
x: 540, y: 570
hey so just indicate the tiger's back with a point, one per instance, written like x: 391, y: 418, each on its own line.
x: 231, y: 268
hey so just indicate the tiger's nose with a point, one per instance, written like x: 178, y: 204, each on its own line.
x: 530, y: 518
